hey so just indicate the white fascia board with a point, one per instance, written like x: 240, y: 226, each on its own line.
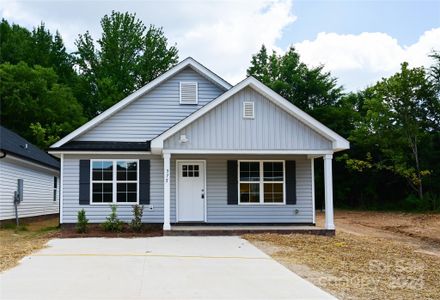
x: 58, y: 153
x: 338, y: 142
x: 262, y: 152
x: 196, y: 66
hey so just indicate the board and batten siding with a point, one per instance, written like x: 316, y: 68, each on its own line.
x: 37, y: 189
x: 153, y: 213
x: 216, y: 193
x: 154, y: 112
x: 224, y: 128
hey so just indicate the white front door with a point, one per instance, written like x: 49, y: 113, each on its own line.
x: 191, y: 191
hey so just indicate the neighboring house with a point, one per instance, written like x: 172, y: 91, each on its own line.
x: 193, y: 148
x: 38, y: 171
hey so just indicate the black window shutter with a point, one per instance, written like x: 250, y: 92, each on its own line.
x: 232, y: 182
x: 290, y: 182
x: 144, y: 181
x: 84, y: 182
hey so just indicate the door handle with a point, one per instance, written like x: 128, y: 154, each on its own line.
x: 203, y: 194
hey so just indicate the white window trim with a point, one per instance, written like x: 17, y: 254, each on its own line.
x: 197, y: 92
x: 114, y: 182
x: 261, y: 182
x: 253, y: 110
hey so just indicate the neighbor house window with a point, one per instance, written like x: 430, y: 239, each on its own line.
x: 114, y: 181
x: 261, y: 182
x: 55, y: 188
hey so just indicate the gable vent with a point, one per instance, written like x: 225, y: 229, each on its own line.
x: 188, y: 92
x: 248, y: 110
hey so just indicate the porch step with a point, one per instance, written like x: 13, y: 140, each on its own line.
x: 240, y: 230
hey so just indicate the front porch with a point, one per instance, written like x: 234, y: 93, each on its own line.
x: 225, y: 230
x: 216, y: 214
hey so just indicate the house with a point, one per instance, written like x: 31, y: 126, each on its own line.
x: 37, y: 171
x: 192, y: 149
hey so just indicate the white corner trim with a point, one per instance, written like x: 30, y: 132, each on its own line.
x: 61, y: 188
x: 338, y: 142
x: 130, y: 98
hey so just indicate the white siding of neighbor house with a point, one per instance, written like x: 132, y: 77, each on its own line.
x: 154, y: 112
x: 37, y: 189
x: 218, y: 210
x: 224, y: 128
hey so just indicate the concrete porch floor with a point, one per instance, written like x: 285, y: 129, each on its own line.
x: 221, y: 230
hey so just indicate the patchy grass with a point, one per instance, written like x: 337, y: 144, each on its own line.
x: 356, y: 267
x: 16, y: 243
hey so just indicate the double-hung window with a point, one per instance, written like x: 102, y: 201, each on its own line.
x: 261, y: 182
x: 114, y: 181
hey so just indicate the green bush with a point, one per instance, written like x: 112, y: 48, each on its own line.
x: 136, y: 222
x: 430, y: 202
x: 113, y: 223
x: 82, y: 222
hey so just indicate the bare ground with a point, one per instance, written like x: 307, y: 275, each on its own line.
x: 374, y: 255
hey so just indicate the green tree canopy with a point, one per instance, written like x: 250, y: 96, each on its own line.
x: 128, y: 57
x: 35, y: 105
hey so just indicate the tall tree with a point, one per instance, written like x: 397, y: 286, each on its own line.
x: 35, y: 105
x: 307, y: 88
x: 128, y: 57
x: 401, y: 111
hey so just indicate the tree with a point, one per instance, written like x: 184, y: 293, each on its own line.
x: 400, y: 112
x: 128, y: 57
x: 35, y: 105
x: 307, y: 88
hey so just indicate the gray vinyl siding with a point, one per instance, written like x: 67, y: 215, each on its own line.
x: 216, y: 193
x: 37, y: 189
x: 224, y: 128
x: 98, y: 213
x: 217, y: 211
x: 154, y: 112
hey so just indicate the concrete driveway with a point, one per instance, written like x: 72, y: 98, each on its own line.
x: 153, y: 268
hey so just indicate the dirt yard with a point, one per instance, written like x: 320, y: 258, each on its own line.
x: 373, y: 255
x: 29, y: 237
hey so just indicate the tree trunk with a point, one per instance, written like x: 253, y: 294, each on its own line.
x: 419, y: 177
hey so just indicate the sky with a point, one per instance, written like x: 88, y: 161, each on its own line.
x: 359, y: 42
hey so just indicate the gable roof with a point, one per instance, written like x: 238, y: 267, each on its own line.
x: 188, y: 62
x: 338, y: 142
x: 12, y: 143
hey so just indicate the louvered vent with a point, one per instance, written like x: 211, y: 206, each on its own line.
x: 188, y: 93
x: 248, y: 110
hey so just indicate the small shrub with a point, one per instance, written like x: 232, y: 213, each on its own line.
x: 136, y: 222
x: 82, y: 222
x: 113, y: 223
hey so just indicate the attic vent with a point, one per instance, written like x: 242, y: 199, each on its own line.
x: 188, y: 92
x: 248, y: 110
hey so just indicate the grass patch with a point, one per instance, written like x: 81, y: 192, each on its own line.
x: 356, y: 267
x: 17, y: 242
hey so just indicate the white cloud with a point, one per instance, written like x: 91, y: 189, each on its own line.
x: 361, y: 60
x: 220, y: 34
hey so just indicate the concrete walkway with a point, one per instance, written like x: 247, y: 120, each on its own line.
x: 153, y: 268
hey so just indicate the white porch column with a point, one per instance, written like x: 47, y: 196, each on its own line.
x: 166, y: 191
x: 328, y: 186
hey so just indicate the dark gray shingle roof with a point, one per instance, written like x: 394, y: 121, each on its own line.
x: 105, y: 146
x: 12, y: 143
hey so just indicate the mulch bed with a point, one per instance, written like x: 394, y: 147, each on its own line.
x: 95, y: 230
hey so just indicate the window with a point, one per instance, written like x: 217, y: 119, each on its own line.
x: 190, y: 170
x: 248, y: 110
x: 188, y: 92
x: 261, y: 182
x: 114, y: 181
x: 55, y: 188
